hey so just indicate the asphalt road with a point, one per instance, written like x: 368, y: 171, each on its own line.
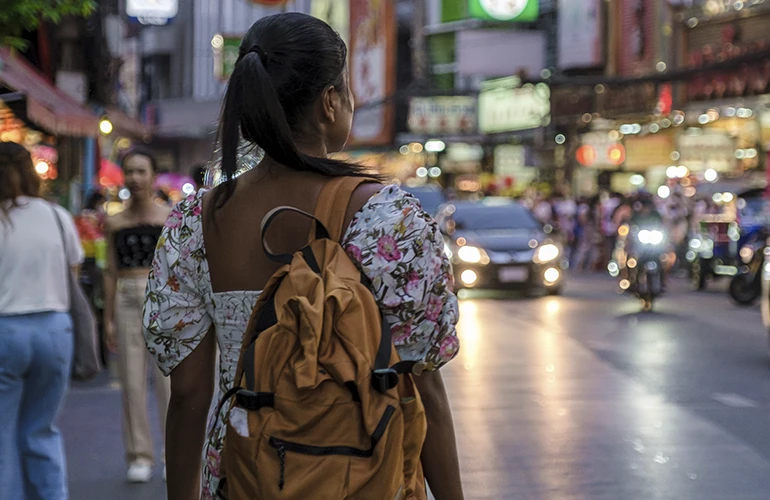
x: 562, y: 398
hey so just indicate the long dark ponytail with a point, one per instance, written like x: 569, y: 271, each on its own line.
x: 285, y: 62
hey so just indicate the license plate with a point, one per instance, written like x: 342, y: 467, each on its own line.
x: 513, y: 274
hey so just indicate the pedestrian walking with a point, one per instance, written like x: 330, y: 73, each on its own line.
x: 290, y: 94
x: 36, y: 340
x: 587, y: 252
x: 131, y: 239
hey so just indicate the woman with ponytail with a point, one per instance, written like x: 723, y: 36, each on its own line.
x: 289, y: 94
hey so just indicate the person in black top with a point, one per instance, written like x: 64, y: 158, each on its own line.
x: 131, y: 239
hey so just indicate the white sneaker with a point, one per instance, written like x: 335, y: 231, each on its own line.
x: 139, y: 473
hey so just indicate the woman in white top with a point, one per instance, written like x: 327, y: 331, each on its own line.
x: 35, y: 329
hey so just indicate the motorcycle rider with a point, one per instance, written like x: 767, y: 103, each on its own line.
x: 646, y: 215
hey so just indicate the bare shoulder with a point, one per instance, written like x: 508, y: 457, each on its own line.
x: 360, y: 197
x: 363, y: 194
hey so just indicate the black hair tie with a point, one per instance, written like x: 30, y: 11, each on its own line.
x: 256, y: 49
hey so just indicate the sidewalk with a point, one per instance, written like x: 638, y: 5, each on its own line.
x: 91, y: 425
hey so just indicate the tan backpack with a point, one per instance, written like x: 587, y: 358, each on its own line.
x: 323, y: 408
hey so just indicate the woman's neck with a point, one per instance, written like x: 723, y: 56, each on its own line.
x: 140, y: 204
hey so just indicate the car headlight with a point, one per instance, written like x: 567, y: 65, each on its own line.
x: 650, y: 237
x: 747, y: 253
x: 547, y: 253
x: 471, y: 255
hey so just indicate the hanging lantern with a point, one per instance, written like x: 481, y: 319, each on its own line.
x: 586, y: 155
x: 616, y: 154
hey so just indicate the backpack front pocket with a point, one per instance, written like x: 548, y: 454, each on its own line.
x: 297, y: 469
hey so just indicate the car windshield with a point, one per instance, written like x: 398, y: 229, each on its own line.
x: 484, y: 217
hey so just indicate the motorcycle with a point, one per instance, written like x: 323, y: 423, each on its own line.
x: 639, y: 262
x: 715, y: 244
x: 746, y: 285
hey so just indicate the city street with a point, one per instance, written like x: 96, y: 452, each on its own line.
x: 563, y: 398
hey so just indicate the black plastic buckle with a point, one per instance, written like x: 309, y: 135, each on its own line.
x: 254, y: 401
x: 384, y: 379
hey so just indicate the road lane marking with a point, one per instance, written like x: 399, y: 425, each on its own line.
x: 734, y: 400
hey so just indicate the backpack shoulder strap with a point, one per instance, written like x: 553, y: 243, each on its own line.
x: 334, y: 200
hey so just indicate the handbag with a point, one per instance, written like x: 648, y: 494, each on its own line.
x: 85, y: 360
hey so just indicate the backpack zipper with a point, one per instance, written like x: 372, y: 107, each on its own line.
x: 282, y: 458
x: 281, y: 447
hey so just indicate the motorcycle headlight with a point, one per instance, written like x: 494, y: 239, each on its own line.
x: 471, y: 255
x: 650, y: 237
x: 547, y: 253
x: 746, y: 253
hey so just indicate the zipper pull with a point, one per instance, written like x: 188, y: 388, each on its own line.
x: 282, y: 458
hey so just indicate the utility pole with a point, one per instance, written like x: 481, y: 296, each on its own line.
x: 70, y: 149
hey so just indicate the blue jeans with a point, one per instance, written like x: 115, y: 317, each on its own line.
x: 35, y: 359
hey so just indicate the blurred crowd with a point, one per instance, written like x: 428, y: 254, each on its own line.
x: 588, y: 226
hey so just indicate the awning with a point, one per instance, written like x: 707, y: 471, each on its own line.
x: 45, y: 106
x: 128, y: 126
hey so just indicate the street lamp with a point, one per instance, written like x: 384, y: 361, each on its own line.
x: 105, y: 126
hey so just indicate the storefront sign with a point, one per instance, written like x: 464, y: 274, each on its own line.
x: 442, y: 115
x: 152, y: 11
x: 715, y: 148
x: 569, y: 102
x: 511, y: 161
x: 638, y: 98
x: 372, y: 70
x: 580, y: 34
x: 649, y: 151
x: 504, y: 10
x: 504, y: 109
x: 462, y: 158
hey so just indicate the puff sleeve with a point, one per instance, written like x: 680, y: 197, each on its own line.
x: 400, y: 249
x: 175, y: 314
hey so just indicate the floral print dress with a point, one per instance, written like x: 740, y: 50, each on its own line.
x: 393, y: 241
